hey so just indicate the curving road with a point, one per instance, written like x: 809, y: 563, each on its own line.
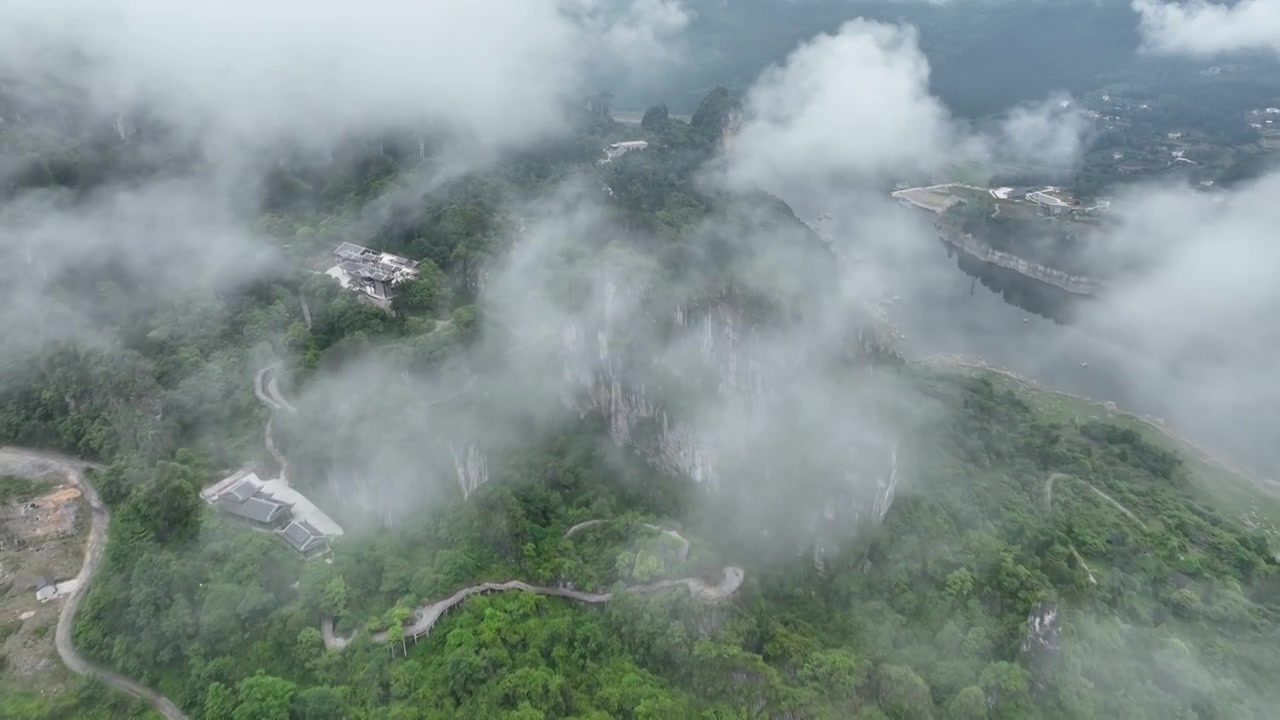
x: 266, y: 387
x: 267, y: 390
x: 425, y: 616
x: 24, y: 461
x: 684, y: 542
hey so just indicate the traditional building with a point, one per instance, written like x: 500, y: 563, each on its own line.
x: 273, y: 505
x: 246, y: 501
x: 371, y: 272
x: 304, y: 537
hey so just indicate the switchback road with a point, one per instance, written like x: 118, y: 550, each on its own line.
x: 22, y: 461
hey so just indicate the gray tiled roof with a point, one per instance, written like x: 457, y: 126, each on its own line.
x: 257, y: 509
x: 302, y: 536
x: 244, y: 490
x: 359, y: 261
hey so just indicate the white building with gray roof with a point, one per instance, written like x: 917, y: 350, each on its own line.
x: 371, y: 272
x: 304, y: 537
x: 246, y: 501
x: 273, y: 505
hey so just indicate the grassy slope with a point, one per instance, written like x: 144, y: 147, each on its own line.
x: 1235, y: 489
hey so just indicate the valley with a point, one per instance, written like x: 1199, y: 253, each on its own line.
x: 371, y: 363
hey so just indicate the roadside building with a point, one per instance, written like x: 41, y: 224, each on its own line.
x: 45, y: 589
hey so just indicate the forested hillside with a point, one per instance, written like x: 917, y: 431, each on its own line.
x: 1030, y: 566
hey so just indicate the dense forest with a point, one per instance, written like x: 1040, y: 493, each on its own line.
x: 1031, y: 566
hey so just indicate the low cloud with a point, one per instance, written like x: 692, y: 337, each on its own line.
x: 1196, y: 325
x: 489, y: 74
x: 1203, y: 29
x: 854, y: 104
x: 1184, y: 335
x: 853, y: 109
x: 638, y: 37
x: 1050, y: 134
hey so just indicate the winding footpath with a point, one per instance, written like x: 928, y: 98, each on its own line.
x: 27, y: 462
x: 267, y: 389
x: 1268, y: 486
x: 426, y: 616
x: 1048, y: 504
x: 684, y: 542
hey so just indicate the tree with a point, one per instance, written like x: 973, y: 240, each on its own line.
x: 968, y: 704
x: 219, y: 702
x: 318, y: 703
x: 601, y: 105
x: 422, y: 294
x: 333, y: 601
x: 169, y: 507
x: 902, y: 694
x: 1008, y: 691
x: 310, y: 644
x: 960, y: 584
x: 648, y: 567
x: 264, y: 697
x: 836, y: 674
x: 466, y: 322
x: 113, y: 483
x: 395, y: 634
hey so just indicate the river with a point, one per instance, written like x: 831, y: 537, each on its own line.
x: 940, y: 309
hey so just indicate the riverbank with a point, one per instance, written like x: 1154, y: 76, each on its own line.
x: 1236, y: 488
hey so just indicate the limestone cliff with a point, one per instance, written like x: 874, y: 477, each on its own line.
x: 472, y: 466
x: 1075, y: 284
x: 734, y: 379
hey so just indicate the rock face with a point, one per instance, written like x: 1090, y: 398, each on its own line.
x: 1043, y: 640
x: 1074, y: 284
x: 472, y: 466
x: 1032, y: 286
x: 716, y: 407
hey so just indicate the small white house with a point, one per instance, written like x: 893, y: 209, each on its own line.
x: 618, y: 149
x: 46, y: 590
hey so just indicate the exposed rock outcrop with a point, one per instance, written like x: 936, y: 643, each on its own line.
x: 472, y: 467
x: 1043, y: 640
x: 731, y: 376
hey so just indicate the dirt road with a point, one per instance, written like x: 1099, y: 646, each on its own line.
x: 25, y: 461
x: 266, y: 387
